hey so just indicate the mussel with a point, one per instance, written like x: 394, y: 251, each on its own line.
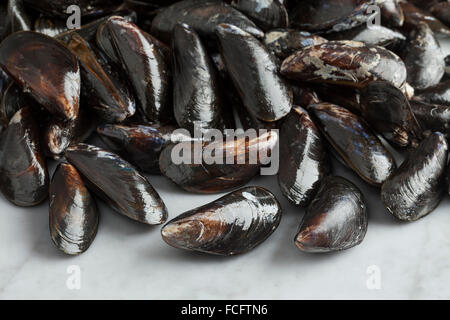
x: 388, y: 112
x: 335, y: 220
x: 414, y: 16
x: 442, y: 12
x: 348, y: 63
x: 438, y: 94
x: 196, y: 95
x: 203, y: 16
x: 424, y: 59
x: 217, y: 166
x: 392, y: 13
x: 432, y: 117
x: 45, y: 68
x: 418, y: 185
x: 231, y: 225
x: 23, y: 171
x: 18, y: 19
x: 118, y: 183
x: 304, y: 95
x: 303, y: 158
x: 49, y: 26
x: 73, y: 211
x: 355, y: 142
x: 254, y: 72
x: 267, y: 14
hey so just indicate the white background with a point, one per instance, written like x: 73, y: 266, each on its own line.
x: 128, y: 260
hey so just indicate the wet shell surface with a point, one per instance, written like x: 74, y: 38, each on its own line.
x: 335, y: 220
x: 73, y: 211
x: 231, y: 225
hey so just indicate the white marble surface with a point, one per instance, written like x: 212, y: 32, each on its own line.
x: 130, y: 261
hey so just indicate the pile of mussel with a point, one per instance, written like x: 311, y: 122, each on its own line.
x: 324, y: 73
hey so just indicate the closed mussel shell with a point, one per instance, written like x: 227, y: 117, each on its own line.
x: 417, y: 187
x: 231, y: 225
x: 438, y: 94
x: 45, y: 68
x: 105, y: 172
x: 388, y: 112
x: 196, y: 96
x: 414, y: 16
x: 73, y: 211
x: 303, y: 158
x: 432, y: 117
x: 335, y: 220
x: 254, y: 72
x: 355, y: 142
x: 348, y: 63
x: 23, y: 171
x: 267, y: 14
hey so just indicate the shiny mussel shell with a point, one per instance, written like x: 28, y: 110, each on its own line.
x: 418, y: 185
x: 18, y: 18
x: 73, y: 211
x: 348, y: 63
x: 203, y: 16
x: 330, y: 15
x: 254, y: 72
x: 231, y: 225
x: 118, y: 183
x: 267, y: 14
x: 196, y: 96
x: 335, y: 220
x: 414, y: 16
x: 303, y: 158
x: 392, y: 13
x: 352, y: 138
x: 44, y: 67
x: 23, y: 171
x: 432, y: 117
x: 388, y: 112
x: 143, y: 62
x: 204, y: 167
x: 140, y: 145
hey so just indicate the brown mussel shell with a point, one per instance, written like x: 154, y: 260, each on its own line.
x: 103, y: 92
x: 13, y: 100
x: 73, y: 211
x: 303, y: 158
x: 267, y: 14
x: 418, y: 185
x: 349, y: 63
x: 45, y: 68
x: 140, y: 145
x: 355, y: 142
x: 414, y: 16
x: 284, y: 42
x: 196, y: 94
x: 424, y: 59
x: 213, y: 173
x: 203, y: 16
x: 142, y: 60
x: 335, y: 220
x: 23, y: 171
x: 304, y: 96
x: 329, y: 15
x: 392, y: 13
x: 388, y: 112
x: 254, y: 72
x: 231, y: 225
x: 118, y: 183
x: 432, y: 117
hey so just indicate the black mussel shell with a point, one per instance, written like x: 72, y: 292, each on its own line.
x: 231, y: 225
x: 196, y: 95
x: 349, y: 63
x: 4, y: 23
x: 424, y: 59
x: 103, y: 92
x: 13, y: 100
x: 206, y: 167
x: 418, y: 185
x: 329, y: 15
x: 267, y: 14
x: 392, y: 13
x: 303, y: 158
x: 442, y: 12
x: 432, y: 117
x: 140, y: 145
x: 284, y: 42
x: 254, y: 72
x: 414, y: 16
x: 45, y: 68
x: 23, y: 171
x: 438, y: 94
x: 73, y: 211
x: 143, y: 62
x: 335, y: 220
x: 203, y: 16
x: 18, y: 18
x: 304, y: 95
x: 50, y: 27
x: 388, y: 112
x: 118, y: 183
x: 355, y: 142
x: 348, y: 97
